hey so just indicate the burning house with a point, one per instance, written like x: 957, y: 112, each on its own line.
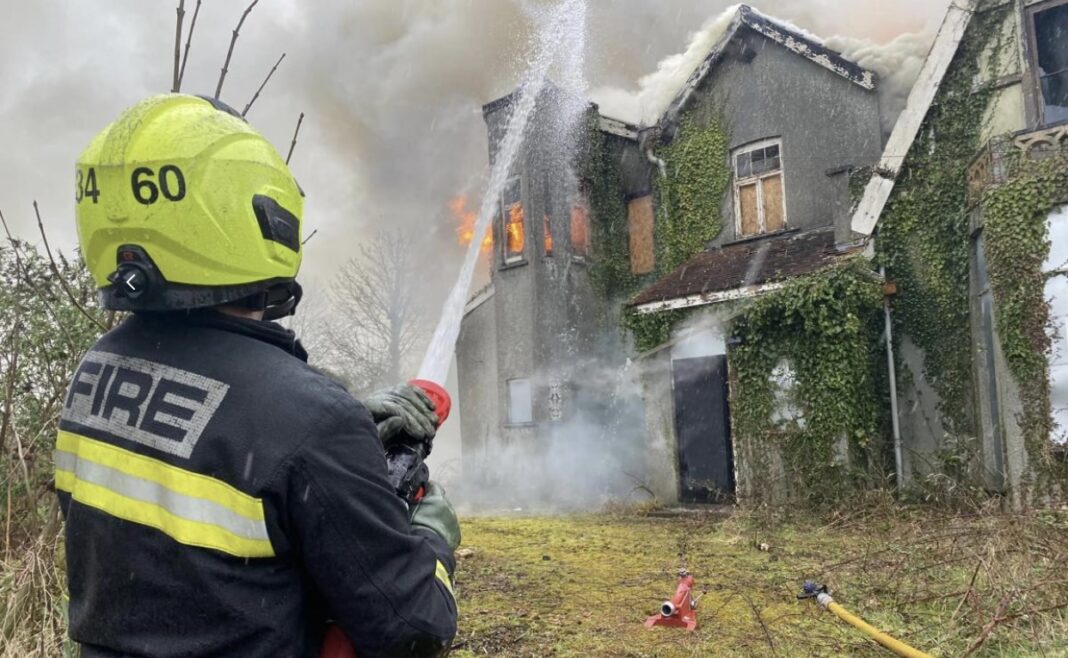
x: 574, y: 241
x: 742, y: 235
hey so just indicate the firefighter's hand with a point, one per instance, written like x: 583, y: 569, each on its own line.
x: 403, y: 409
x: 435, y: 513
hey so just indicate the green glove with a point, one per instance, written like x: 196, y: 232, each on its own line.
x: 402, y: 409
x: 434, y: 512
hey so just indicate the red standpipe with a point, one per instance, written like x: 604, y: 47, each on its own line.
x: 336, y: 644
x: 681, y: 610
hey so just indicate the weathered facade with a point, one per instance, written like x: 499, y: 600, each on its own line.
x: 780, y: 122
x: 983, y: 391
x: 527, y: 335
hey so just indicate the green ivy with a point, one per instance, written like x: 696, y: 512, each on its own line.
x: 602, y: 166
x: 827, y: 326
x: 1016, y: 243
x: 691, y: 194
x: 651, y: 330
x: 689, y: 199
x: 924, y: 230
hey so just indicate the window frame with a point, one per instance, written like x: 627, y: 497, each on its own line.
x: 520, y: 257
x: 1059, y: 211
x: 740, y: 182
x: 509, y: 419
x: 581, y: 197
x: 1038, y: 101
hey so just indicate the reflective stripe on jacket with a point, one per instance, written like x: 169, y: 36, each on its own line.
x: 223, y: 499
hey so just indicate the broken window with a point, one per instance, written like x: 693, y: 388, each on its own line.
x: 1050, y: 34
x: 1056, y: 269
x: 514, y: 229
x: 580, y: 223
x: 759, y: 202
x: 640, y: 228
x: 520, y: 402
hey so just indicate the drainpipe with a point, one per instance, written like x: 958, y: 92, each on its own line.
x: 892, y: 369
x: 659, y: 162
x: 647, y: 142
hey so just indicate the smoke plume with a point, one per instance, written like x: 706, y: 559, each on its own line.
x: 392, y: 91
x: 896, y: 62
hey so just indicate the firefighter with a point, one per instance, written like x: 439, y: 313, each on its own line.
x: 221, y: 497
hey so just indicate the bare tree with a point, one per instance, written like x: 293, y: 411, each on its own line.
x: 377, y: 322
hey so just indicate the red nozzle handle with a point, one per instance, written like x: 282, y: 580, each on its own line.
x: 437, y: 394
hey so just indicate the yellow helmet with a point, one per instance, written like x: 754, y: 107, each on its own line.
x: 181, y: 204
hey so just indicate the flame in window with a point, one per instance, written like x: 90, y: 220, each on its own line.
x: 514, y: 234
x: 548, y: 237
x: 466, y: 219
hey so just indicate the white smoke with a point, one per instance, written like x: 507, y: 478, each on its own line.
x: 897, y: 63
x: 656, y: 90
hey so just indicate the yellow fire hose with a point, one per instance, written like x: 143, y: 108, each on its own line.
x: 824, y: 599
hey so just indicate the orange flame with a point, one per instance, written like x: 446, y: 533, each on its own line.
x: 465, y: 229
x: 514, y: 232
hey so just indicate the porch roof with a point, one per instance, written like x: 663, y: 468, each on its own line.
x: 740, y: 270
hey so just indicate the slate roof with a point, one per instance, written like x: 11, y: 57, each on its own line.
x: 742, y: 267
x: 786, y: 36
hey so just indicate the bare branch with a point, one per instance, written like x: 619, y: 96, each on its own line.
x: 262, y: 85
x: 59, y: 275
x: 188, y: 41
x: 296, y: 132
x: 14, y: 246
x: 230, y: 52
x: 178, y: 44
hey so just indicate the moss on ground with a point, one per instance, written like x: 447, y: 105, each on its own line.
x: 582, y: 586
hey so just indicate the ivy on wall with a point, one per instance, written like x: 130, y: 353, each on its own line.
x: 1017, y: 245
x: 827, y: 326
x: 603, y: 169
x: 691, y: 194
x: 651, y: 330
x: 688, y: 216
x: 924, y: 231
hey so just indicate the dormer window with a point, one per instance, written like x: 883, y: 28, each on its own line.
x: 760, y: 206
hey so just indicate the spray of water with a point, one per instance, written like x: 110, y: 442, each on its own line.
x: 564, y: 21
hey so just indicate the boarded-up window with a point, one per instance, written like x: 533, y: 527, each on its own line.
x: 514, y: 230
x: 640, y: 228
x: 758, y: 189
x: 580, y: 224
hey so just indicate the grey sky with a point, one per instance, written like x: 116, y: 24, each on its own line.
x: 391, y: 88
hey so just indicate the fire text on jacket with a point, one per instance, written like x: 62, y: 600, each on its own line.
x: 142, y: 401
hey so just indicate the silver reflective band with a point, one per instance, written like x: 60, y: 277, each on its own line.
x: 191, y: 508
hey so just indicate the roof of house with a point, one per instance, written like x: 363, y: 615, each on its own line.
x: 739, y: 270
x: 788, y: 36
x: 879, y: 188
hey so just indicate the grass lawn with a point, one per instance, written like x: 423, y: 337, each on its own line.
x: 991, y: 584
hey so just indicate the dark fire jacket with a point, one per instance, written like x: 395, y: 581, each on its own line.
x: 223, y: 499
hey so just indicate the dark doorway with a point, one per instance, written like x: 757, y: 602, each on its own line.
x: 702, y: 426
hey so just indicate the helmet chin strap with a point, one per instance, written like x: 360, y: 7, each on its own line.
x: 277, y: 302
